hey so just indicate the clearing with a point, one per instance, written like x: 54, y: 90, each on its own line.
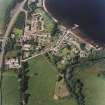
x: 10, y: 89
x: 94, y: 86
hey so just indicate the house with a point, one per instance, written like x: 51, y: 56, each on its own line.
x: 26, y: 47
x: 37, y: 23
x: 36, y: 26
x: 13, y: 63
x: 83, y: 54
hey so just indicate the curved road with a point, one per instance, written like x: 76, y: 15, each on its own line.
x: 9, y: 28
x: 6, y: 35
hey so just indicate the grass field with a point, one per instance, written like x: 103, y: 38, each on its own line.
x: 11, y: 54
x: 4, y: 5
x: 0, y: 86
x: 10, y: 89
x: 42, y: 83
x: 94, y: 86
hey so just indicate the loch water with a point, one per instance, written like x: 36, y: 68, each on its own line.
x: 88, y: 14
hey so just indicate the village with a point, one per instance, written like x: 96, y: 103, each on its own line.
x: 41, y: 53
x: 36, y: 39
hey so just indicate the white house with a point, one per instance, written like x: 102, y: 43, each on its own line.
x: 12, y: 63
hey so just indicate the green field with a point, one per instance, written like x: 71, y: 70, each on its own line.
x: 4, y: 5
x: 42, y: 83
x: 94, y: 86
x: 0, y: 86
x: 10, y: 89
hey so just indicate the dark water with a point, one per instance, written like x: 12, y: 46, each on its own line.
x: 89, y: 14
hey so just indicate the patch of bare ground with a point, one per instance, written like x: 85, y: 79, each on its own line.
x: 61, y: 90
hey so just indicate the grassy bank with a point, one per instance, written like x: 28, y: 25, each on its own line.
x: 94, y: 90
x: 42, y: 83
x: 4, y: 6
x: 48, y: 22
x: 10, y: 89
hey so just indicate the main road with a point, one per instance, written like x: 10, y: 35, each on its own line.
x: 6, y: 36
x: 8, y: 31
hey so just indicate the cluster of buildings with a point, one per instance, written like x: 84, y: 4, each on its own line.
x: 12, y: 63
x: 74, y: 51
x: 34, y: 38
x: 33, y: 34
x: 75, y: 43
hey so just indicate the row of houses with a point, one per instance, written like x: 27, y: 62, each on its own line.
x: 33, y: 32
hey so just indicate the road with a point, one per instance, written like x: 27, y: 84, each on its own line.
x: 44, y: 7
x: 36, y: 55
x: 61, y: 39
x: 4, y: 41
x: 9, y: 28
x: 65, y: 34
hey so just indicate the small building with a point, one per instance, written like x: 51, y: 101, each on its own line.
x: 0, y: 46
x: 26, y: 47
x: 83, y: 54
x: 44, y: 38
x: 37, y: 23
x: 13, y: 63
x: 26, y: 55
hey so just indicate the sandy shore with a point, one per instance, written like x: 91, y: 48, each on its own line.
x: 44, y: 6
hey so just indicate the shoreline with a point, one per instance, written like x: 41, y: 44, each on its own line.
x: 44, y: 7
x: 80, y: 35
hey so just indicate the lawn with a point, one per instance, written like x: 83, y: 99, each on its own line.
x: 42, y: 83
x: 19, y: 25
x: 94, y: 86
x: 49, y: 23
x: 4, y: 5
x: 11, y: 54
x: 0, y: 85
x: 10, y: 89
x: 18, y: 32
